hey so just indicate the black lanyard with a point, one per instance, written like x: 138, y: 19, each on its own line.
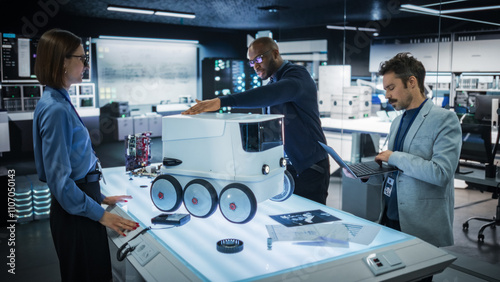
x: 397, y: 147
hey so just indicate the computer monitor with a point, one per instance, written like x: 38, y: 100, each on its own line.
x: 18, y: 56
x: 223, y: 76
x: 476, y: 143
x: 483, y: 107
x: 365, y: 146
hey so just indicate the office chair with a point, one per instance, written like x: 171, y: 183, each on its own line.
x: 496, y: 219
x: 491, y: 222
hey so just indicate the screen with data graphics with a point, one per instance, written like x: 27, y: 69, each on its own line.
x: 145, y: 71
x: 19, y: 56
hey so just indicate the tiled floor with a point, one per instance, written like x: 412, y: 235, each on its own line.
x: 36, y: 258
x: 475, y: 261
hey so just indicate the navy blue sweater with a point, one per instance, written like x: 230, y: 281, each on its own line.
x: 294, y: 95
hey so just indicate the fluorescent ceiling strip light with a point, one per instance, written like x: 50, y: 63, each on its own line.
x: 443, y: 3
x: 147, y: 39
x: 175, y: 14
x: 151, y: 12
x: 368, y: 29
x: 335, y: 27
x: 448, y: 17
x: 417, y: 12
x: 338, y: 27
x: 130, y: 10
x: 470, y: 9
x: 470, y: 20
x: 473, y: 9
x: 415, y: 8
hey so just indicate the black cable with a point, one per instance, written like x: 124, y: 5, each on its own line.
x: 121, y: 254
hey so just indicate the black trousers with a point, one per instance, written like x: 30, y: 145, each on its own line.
x: 81, y: 243
x: 313, y: 182
x: 394, y: 224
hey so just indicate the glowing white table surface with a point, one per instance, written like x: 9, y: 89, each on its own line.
x: 191, y: 249
x: 368, y: 125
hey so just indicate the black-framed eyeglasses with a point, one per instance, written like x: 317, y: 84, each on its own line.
x: 258, y: 59
x: 83, y: 58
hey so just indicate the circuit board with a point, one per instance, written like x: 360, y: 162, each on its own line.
x: 137, y: 151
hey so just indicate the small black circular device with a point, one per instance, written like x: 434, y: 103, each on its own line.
x: 229, y: 246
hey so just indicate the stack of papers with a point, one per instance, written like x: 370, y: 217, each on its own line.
x: 313, y: 226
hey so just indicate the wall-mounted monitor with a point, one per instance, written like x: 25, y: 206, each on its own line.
x: 18, y: 58
x: 19, y: 55
x: 146, y: 71
x: 223, y: 76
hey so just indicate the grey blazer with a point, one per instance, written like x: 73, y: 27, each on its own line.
x: 428, y: 161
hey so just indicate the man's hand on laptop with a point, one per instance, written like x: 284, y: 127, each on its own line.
x: 383, y: 157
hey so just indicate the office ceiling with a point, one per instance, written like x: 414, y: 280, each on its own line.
x: 252, y: 14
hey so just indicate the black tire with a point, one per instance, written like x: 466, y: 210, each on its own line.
x: 288, y: 188
x: 237, y: 203
x: 166, y: 193
x: 200, y: 198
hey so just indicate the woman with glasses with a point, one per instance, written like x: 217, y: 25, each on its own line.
x: 65, y: 159
x: 292, y: 93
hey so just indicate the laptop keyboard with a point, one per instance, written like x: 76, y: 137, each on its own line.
x: 361, y: 169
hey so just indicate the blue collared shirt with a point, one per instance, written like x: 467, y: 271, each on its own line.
x: 63, y: 153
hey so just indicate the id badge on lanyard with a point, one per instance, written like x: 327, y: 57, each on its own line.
x: 388, y: 186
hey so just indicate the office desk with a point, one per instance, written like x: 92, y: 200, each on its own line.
x: 188, y: 252
x: 362, y: 125
x: 339, y: 132
x: 478, y: 176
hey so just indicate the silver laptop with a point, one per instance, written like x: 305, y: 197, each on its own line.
x: 359, y: 170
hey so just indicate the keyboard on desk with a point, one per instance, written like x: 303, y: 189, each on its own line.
x: 472, y: 164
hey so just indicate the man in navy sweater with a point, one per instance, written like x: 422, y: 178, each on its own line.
x: 292, y: 93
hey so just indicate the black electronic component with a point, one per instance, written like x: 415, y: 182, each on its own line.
x: 115, y: 109
x: 171, y: 162
x: 230, y: 246
x: 176, y: 219
x: 11, y: 91
x: 31, y: 91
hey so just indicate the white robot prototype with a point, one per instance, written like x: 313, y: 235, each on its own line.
x: 232, y: 161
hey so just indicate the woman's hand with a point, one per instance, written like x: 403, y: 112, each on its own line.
x: 118, y: 223
x: 115, y: 199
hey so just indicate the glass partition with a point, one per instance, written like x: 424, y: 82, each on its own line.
x: 344, y: 57
x: 344, y: 62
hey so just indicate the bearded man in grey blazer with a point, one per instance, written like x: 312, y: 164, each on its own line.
x: 424, y: 144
